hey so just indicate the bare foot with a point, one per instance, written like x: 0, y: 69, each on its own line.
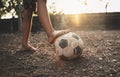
x: 29, y: 48
x: 56, y: 34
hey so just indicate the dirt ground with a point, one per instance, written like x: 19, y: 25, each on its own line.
x: 100, y: 58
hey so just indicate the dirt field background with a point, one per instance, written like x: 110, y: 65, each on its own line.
x: 100, y: 58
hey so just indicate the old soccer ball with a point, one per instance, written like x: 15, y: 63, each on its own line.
x: 69, y: 46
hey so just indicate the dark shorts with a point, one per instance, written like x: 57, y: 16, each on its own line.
x: 29, y: 4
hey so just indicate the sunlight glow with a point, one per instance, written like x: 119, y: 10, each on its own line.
x: 76, y: 20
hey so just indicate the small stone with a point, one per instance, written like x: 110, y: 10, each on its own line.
x: 113, y: 60
x: 100, y: 58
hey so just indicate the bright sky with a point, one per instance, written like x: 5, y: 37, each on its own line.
x: 77, y: 6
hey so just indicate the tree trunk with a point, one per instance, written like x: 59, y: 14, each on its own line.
x: 19, y: 15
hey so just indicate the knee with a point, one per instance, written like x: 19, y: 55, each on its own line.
x: 42, y: 1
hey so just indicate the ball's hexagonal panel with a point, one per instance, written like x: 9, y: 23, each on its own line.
x: 63, y: 43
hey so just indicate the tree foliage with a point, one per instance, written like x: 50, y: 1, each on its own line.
x: 54, y: 11
x: 7, y: 5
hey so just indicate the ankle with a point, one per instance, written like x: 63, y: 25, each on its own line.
x: 24, y: 44
x: 50, y: 33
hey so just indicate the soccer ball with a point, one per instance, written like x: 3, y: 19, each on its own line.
x: 69, y: 46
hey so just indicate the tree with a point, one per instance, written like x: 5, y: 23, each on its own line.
x: 19, y: 14
x: 53, y: 10
x: 6, y: 6
x: 106, y: 6
x: 2, y: 8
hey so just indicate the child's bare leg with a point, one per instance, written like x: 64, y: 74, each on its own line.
x: 45, y: 20
x: 27, y: 24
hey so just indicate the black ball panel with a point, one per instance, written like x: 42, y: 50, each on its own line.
x: 75, y: 36
x: 63, y: 43
x: 77, y: 50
